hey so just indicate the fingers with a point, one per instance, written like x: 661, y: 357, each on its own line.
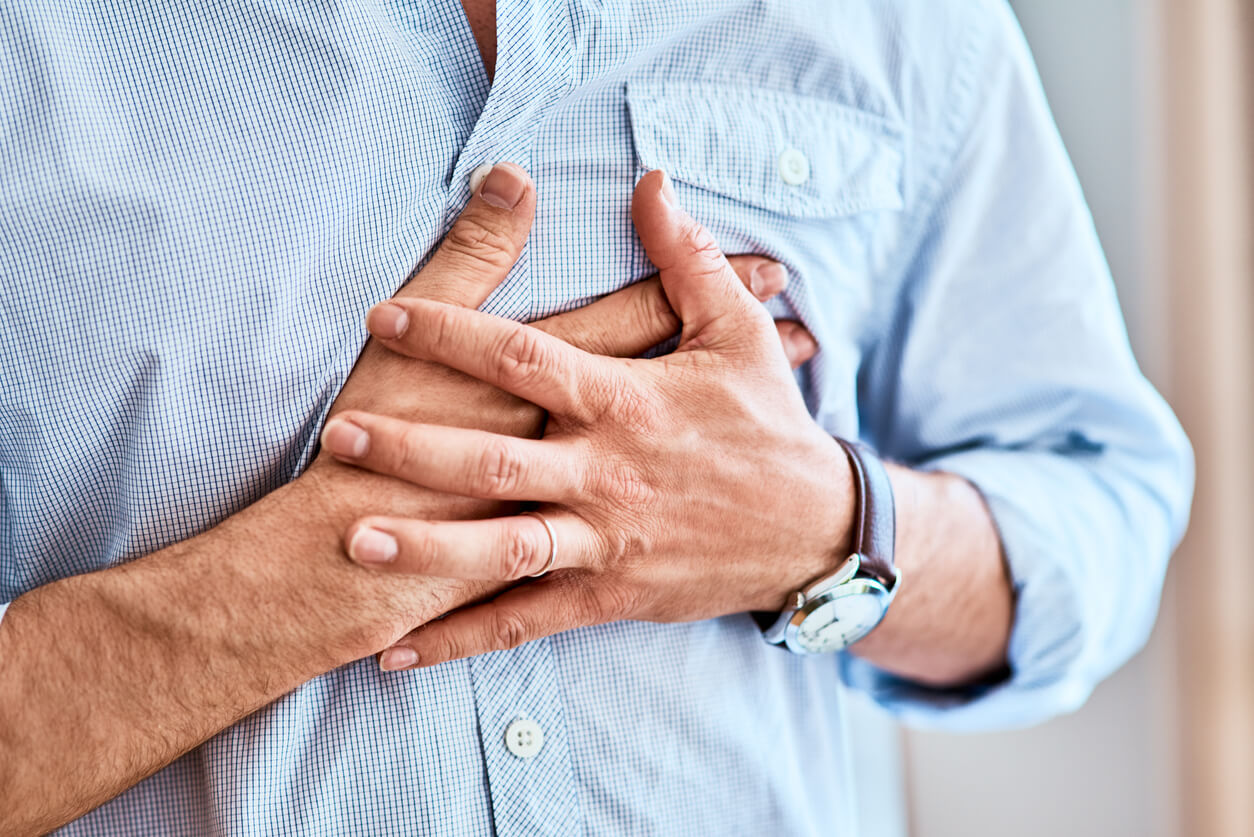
x: 472, y: 463
x: 629, y: 322
x: 529, y: 612
x: 477, y: 253
x: 502, y: 549
x: 622, y: 324
x: 763, y: 277
x: 519, y: 359
x: 799, y: 345
x: 700, y: 284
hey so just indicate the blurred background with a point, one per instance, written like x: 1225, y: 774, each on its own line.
x: 1153, y: 98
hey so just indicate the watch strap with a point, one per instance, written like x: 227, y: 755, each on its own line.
x: 875, y: 516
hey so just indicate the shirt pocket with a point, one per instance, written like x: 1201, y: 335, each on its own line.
x: 814, y: 183
x: 788, y: 154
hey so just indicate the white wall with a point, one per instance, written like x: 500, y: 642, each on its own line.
x: 1109, y: 769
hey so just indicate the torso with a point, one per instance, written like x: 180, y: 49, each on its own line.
x: 194, y: 221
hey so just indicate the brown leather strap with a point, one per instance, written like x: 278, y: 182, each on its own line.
x: 875, y: 521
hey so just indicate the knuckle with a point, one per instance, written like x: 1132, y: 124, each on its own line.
x: 473, y: 240
x: 438, y: 645
x: 697, y: 241
x: 405, y: 454
x: 621, y: 546
x: 654, y: 316
x: 523, y: 358
x: 705, y: 262
x: 422, y: 546
x: 508, y: 630
x: 614, y: 600
x: 440, y: 325
x: 497, y: 471
x: 517, y: 554
x: 625, y: 485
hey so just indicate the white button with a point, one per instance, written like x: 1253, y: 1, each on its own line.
x: 478, y: 176
x: 794, y: 167
x: 524, y: 738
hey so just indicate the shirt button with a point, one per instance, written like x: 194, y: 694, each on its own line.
x: 478, y: 175
x: 794, y: 167
x: 524, y: 738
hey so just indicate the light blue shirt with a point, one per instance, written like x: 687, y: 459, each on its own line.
x: 200, y: 199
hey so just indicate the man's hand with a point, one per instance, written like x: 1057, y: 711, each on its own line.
x: 680, y: 488
x: 470, y: 262
x: 475, y: 257
x: 108, y: 676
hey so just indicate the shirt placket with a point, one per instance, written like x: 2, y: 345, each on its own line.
x: 526, y: 744
x: 535, y: 68
x: 518, y: 699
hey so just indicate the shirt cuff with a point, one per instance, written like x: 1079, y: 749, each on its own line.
x: 3, y: 607
x: 1086, y: 552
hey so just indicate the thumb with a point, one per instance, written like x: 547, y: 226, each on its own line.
x: 484, y: 242
x: 700, y: 284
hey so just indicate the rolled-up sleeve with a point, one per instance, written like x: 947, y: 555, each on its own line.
x: 1005, y: 361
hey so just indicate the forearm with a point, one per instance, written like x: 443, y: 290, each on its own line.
x: 107, y: 677
x: 950, y: 624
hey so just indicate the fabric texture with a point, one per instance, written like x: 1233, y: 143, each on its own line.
x: 200, y: 200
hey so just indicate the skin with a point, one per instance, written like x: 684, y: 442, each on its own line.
x: 687, y: 487
x: 481, y: 15
x: 949, y: 626
x: 200, y: 634
x: 107, y: 677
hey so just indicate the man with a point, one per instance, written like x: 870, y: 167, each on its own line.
x: 203, y: 201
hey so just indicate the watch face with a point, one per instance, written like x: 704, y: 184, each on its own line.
x: 842, y: 619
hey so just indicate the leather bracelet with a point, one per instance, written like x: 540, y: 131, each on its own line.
x: 875, y: 516
x: 874, y: 540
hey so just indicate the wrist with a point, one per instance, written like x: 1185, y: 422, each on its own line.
x: 952, y: 624
x: 828, y: 520
x: 846, y: 602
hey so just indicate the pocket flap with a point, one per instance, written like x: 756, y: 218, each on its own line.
x: 789, y: 154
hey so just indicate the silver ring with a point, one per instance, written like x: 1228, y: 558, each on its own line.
x: 548, y: 527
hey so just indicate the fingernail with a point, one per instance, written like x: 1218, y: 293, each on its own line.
x: 397, y: 658
x: 767, y: 279
x: 371, y: 546
x: 668, y: 192
x: 504, y: 186
x: 387, y: 321
x: 803, y: 343
x: 343, y: 438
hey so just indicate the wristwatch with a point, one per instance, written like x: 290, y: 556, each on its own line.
x: 839, y: 609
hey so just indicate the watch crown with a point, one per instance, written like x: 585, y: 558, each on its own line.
x: 798, y: 600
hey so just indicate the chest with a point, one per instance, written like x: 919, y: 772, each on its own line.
x: 208, y: 210
x: 481, y: 17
